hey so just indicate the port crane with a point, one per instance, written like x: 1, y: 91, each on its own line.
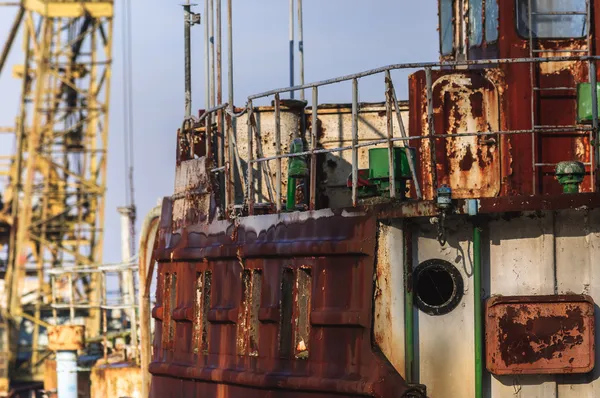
x: 53, y: 178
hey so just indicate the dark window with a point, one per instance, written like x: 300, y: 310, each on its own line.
x: 491, y: 20
x: 447, y: 26
x: 438, y: 286
x: 475, y: 22
x: 557, y: 19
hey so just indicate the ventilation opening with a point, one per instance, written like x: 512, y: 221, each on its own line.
x: 438, y: 287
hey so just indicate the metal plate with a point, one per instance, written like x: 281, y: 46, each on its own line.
x: 540, y: 334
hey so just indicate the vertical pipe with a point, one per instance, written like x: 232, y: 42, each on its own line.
x: 211, y: 50
x: 278, y: 151
x: 104, y: 315
x: 250, y: 186
x: 532, y: 102
x: 354, y: 142
x: 590, y: 35
x: 594, y: 84
x: 291, y: 47
x: 219, y: 87
x: 127, y: 283
x: 71, y: 297
x: 208, y: 122
x: 431, y: 125
x: 206, y: 59
x: 390, y: 133
x: 409, y: 328
x: 229, y: 180
x: 187, y: 60
x: 478, y: 312
x: 66, y: 374
x: 301, y: 45
x: 290, y: 204
x: 313, y: 146
x: 230, y: 51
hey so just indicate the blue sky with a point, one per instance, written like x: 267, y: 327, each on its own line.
x: 340, y: 37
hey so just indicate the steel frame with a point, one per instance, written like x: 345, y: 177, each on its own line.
x: 57, y: 178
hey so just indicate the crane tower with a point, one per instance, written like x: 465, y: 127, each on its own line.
x: 53, y: 183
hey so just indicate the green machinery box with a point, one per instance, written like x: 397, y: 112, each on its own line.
x: 379, y: 169
x: 379, y: 165
x: 584, y: 102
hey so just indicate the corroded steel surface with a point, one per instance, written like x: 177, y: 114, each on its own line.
x: 66, y: 337
x: 265, y: 304
x: 116, y: 380
x: 500, y: 99
x: 540, y: 335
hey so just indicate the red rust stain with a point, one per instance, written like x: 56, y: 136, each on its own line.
x: 477, y: 104
x: 467, y: 161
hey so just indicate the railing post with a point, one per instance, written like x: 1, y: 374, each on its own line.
x: 431, y: 125
x: 354, y: 141
x: 208, y: 135
x: 278, y: 150
x: 406, y: 144
x: 229, y: 184
x: 313, y: 146
x: 250, y: 187
x: 71, y: 297
x: 390, y: 133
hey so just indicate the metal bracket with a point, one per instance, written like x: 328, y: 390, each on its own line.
x: 195, y: 18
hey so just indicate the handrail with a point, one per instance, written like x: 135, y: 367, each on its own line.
x: 255, y: 156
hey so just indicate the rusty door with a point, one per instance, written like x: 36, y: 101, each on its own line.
x: 464, y: 104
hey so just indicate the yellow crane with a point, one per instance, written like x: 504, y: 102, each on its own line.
x: 53, y: 185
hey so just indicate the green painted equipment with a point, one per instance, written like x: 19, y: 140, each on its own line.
x: 379, y: 169
x: 297, y: 169
x: 570, y: 175
x: 375, y: 181
x: 584, y: 102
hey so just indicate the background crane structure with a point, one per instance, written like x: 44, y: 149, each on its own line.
x: 53, y: 180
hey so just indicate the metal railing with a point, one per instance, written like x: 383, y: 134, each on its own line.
x: 392, y: 108
x: 126, y: 302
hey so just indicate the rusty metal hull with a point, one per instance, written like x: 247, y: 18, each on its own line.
x: 266, y: 305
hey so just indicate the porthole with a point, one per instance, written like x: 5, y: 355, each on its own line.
x: 438, y: 286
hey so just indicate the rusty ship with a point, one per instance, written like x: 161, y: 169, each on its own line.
x: 442, y: 244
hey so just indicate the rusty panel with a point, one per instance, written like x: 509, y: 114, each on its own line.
x: 66, y: 338
x: 274, y: 322
x: 116, y: 380
x: 466, y: 102
x: 540, y: 334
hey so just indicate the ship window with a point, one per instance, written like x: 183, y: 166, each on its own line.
x: 447, y: 26
x: 475, y: 22
x: 558, y: 19
x: 438, y: 287
x: 491, y: 20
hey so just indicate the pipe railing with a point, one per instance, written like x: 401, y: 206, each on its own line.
x: 254, y: 155
x: 127, y: 302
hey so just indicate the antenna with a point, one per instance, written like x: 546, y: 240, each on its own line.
x: 190, y: 18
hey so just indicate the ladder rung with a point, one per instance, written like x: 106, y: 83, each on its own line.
x: 553, y: 88
x: 554, y: 164
x: 560, y: 13
x: 567, y: 128
x: 561, y: 51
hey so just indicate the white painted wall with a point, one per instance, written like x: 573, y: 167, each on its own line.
x: 528, y: 255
